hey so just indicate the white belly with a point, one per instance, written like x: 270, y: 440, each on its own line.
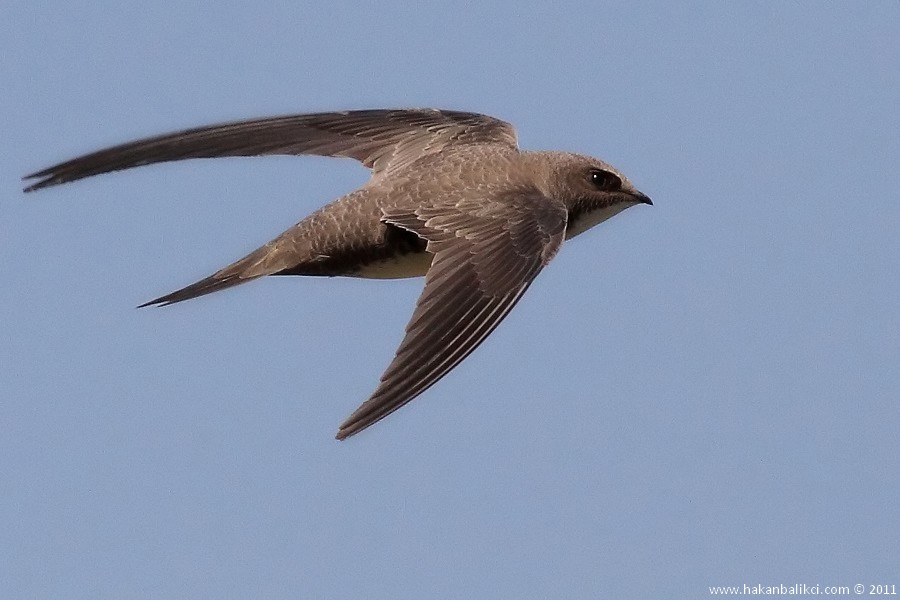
x: 414, y: 264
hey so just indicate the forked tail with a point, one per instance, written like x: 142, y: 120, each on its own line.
x: 259, y: 263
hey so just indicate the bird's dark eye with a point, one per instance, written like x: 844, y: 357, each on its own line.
x: 605, y: 181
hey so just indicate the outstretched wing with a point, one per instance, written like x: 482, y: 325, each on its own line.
x: 382, y: 140
x: 486, y: 254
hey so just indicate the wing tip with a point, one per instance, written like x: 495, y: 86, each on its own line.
x: 350, y: 427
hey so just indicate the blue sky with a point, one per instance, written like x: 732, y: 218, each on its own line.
x: 703, y: 392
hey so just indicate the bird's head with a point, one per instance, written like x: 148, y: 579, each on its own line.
x: 591, y: 189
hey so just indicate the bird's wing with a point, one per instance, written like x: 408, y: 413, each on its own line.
x: 380, y: 139
x: 486, y: 254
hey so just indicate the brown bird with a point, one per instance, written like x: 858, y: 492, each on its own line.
x: 451, y: 197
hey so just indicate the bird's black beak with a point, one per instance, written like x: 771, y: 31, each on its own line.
x: 642, y: 199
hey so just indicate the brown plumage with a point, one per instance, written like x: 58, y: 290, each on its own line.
x: 451, y: 197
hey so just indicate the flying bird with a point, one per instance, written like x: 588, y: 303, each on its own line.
x: 450, y: 197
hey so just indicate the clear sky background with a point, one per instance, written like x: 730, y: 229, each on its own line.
x: 703, y: 392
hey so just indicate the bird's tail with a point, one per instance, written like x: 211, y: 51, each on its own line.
x: 257, y: 264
